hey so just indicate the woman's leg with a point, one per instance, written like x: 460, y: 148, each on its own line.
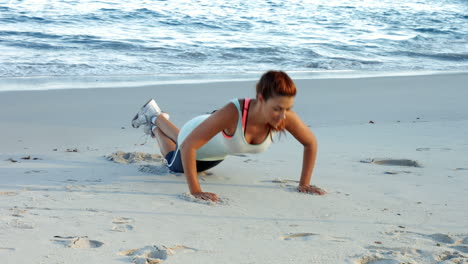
x: 166, y: 144
x: 166, y: 134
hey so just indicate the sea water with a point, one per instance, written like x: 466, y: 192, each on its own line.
x: 118, y: 39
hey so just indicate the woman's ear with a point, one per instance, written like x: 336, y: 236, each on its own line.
x: 260, y: 98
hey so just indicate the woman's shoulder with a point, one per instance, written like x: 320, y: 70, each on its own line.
x: 239, y: 102
x: 231, y: 107
x: 236, y: 101
x: 233, y: 104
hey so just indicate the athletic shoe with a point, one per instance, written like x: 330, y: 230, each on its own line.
x: 147, y: 111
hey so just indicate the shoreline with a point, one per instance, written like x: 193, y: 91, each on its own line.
x: 31, y: 83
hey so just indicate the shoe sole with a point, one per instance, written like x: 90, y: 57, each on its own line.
x: 136, y: 116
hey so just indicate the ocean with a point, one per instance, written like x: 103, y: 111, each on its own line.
x: 163, y: 40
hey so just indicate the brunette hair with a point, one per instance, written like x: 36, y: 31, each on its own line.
x: 276, y: 83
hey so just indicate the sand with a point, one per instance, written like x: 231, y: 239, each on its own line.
x: 79, y: 185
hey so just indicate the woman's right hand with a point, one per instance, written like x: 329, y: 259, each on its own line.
x: 206, y: 196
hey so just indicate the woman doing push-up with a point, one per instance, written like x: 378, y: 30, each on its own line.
x: 241, y: 126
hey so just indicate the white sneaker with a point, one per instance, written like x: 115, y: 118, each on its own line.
x: 147, y: 111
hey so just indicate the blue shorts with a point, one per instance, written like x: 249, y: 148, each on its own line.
x: 174, y: 162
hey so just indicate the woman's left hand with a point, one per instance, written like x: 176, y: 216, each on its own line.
x: 311, y: 189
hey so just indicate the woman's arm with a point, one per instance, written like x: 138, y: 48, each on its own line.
x: 217, y: 122
x: 304, y: 135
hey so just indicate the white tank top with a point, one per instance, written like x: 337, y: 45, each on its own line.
x: 222, y: 145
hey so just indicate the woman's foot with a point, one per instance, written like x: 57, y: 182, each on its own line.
x: 148, y: 129
x: 145, y: 114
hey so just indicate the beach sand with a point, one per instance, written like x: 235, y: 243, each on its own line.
x: 392, y: 156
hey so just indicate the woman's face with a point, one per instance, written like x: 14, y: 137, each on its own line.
x: 276, y: 108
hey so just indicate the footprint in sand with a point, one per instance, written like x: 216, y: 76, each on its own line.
x: 423, y: 149
x: 463, y: 249
x: 453, y: 257
x: 455, y: 241
x: 299, y: 236
x: 134, y: 157
x: 394, y: 162
x: 77, y: 242
x: 122, y: 224
x: 155, y: 169
x: 441, y: 238
x: 428, y: 149
x: 443, y: 249
x: 278, y: 180
x: 154, y: 254
x: 376, y: 259
x: 390, y: 255
x: 310, y: 236
x: 396, y: 172
x: 285, y: 183
x: 35, y: 171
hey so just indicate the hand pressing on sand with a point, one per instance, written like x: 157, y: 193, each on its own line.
x: 311, y: 189
x: 206, y: 196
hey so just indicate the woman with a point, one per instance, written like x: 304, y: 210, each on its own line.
x: 241, y: 126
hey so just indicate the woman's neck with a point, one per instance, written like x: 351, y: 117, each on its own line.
x: 255, y: 116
